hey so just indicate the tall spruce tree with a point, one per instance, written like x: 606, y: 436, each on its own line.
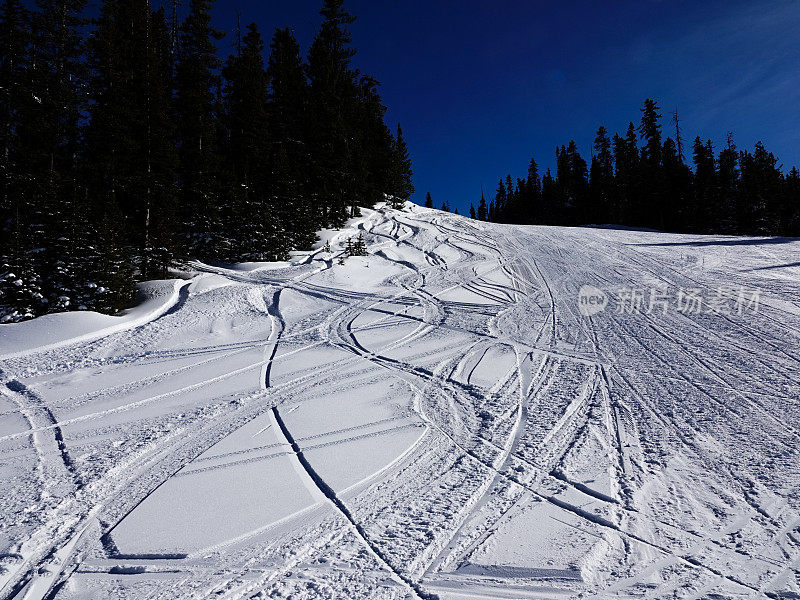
x: 332, y: 100
x: 20, y: 282
x: 130, y: 155
x: 376, y: 153
x: 791, y: 224
x: 483, y: 209
x: 705, y: 185
x: 52, y: 134
x: 402, y: 187
x: 650, y: 208
x: 760, y: 191
x: 500, y: 198
x: 677, y: 190
x: 289, y: 155
x: 601, y: 178
x: 161, y: 227
x: 728, y: 178
x: 123, y: 137
x: 256, y: 221
x: 14, y: 92
x: 530, y: 204
x: 196, y: 108
x: 626, y: 161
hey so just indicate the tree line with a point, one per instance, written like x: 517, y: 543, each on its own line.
x: 127, y: 146
x: 642, y: 179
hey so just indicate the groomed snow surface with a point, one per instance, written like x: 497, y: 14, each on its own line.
x: 435, y: 419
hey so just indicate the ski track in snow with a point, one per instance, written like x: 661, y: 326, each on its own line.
x: 436, y: 419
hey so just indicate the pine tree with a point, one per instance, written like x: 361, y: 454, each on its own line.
x: 20, y: 281
x: 651, y: 210
x: 402, y: 185
x: 725, y: 215
x: 760, y: 192
x: 290, y: 153
x: 374, y: 155
x: 161, y: 243
x: 51, y: 133
x: 258, y: 224
x: 531, y: 201
x: 677, y: 188
x: 14, y: 91
x: 626, y: 161
x: 601, y: 178
x: 550, y: 200
x: 705, y: 185
x: 428, y: 200
x: 472, y: 214
x: 483, y: 209
x: 196, y: 80
x: 791, y: 223
x: 500, y: 198
x: 573, y: 185
x: 130, y: 154
x: 332, y: 100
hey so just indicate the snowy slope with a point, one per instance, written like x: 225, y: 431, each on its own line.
x: 441, y: 418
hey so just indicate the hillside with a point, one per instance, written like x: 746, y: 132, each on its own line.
x: 468, y: 411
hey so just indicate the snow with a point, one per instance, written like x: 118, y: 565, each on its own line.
x: 441, y: 417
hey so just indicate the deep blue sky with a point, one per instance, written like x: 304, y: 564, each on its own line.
x: 480, y: 87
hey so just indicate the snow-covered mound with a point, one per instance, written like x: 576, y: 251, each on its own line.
x: 468, y: 411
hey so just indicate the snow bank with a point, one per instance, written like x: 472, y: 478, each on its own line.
x: 53, y: 331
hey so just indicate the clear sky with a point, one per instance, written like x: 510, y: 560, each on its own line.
x: 480, y: 87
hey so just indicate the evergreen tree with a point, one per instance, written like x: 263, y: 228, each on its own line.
x: 791, y: 223
x: 551, y: 205
x: 724, y: 220
x: 532, y: 199
x: 332, y: 100
x: 130, y: 154
x: 289, y: 156
x: 483, y: 209
x: 572, y: 183
x: 428, y: 200
x: 705, y: 185
x: 161, y: 244
x: 14, y: 92
x: 20, y: 282
x: 472, y: 214
x: 498, y: 208
x: 760, y: 192
x: 402, y: 184
x: 677, y: 187
x: 52, y: 135
x: 626, y: 161
x: 196, y: 80
x: 124, y: 157
x: 256, y: 223
x: 601, y: 177
x: 650, y: 208
x: 376, y: 160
